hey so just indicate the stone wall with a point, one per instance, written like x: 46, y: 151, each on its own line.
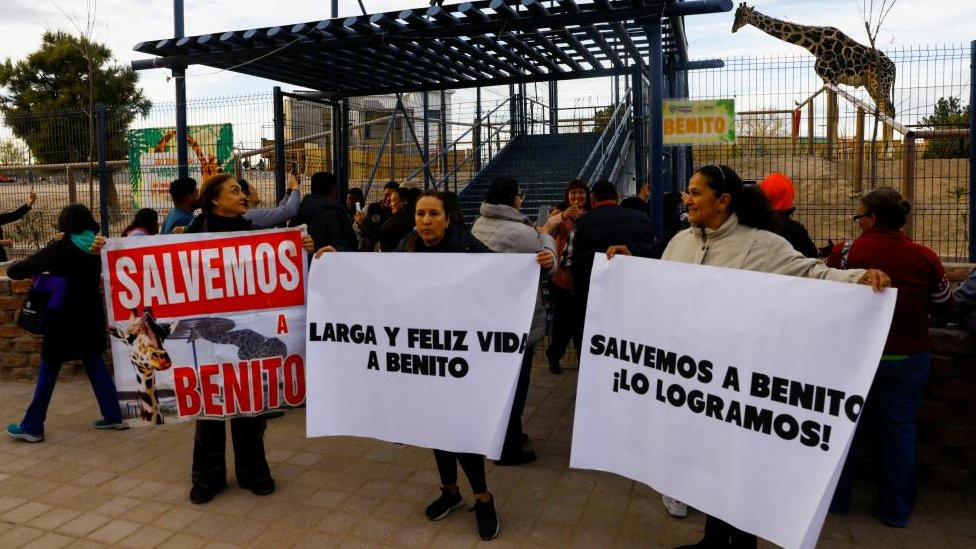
x: 946, y: 420
x: 20, y: 351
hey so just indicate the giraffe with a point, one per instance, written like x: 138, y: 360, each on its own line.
x: 840, y: 60
x: 145, y: 340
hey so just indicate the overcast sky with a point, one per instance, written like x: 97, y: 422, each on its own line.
x: 123, y: 23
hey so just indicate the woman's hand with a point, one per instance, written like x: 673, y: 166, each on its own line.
x: 291, y: 182
x: 358, y: 218
x: 545, y: 259
x: 307, y: 243
x: 572, y: 212
x: 31, y: 197
x: 324, y: 250
x: 876, y: 279
x: 617, y: 249
x: 6, y: 242
x: 96, y: 247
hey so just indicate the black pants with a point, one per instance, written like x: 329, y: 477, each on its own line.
x: 472, y: 464
x: 719, y: 533
x: 513, y: 435
x: 567, y: 322
x: 247, y: 434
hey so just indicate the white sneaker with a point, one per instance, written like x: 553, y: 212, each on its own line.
x: 675, y: 508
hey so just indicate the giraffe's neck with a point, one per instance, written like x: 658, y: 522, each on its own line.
x: 786, y: 31
x: 149, y: 401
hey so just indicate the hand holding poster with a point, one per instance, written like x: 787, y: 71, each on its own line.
x: 422, y: 349
x: 733, y: 391
x: 206, y: 324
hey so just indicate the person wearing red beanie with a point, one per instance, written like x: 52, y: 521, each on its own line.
x: 779, y: 190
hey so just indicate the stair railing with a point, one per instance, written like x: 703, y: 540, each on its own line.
x: 613, y: 122
x: 447, y: 177
x: 611, y: 151
x: 446, y: 149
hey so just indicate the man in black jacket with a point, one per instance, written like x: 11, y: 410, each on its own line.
x: 326, y: 218
x: 607, y: 224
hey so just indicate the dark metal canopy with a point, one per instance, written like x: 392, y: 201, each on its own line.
x: 481, y: 43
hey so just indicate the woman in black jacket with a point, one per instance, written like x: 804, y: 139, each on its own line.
x: 435, y: 233
x: 77, y: 330
x: 223, y: 204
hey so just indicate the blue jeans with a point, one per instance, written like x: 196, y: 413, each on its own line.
x: 47, y: 375
x: 889, y: 414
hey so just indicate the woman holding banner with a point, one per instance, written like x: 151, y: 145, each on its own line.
x: 435, y: 233
x: 503, y: 228
x: 731, y: 227
x: 77, y: 329
x: 223, y: 204
x: 890, y: 408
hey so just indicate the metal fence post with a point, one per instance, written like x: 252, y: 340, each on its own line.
x: 425, y: 158
x: 343, y: 175
x: 655, y: 138
x: 103, y: 182
x: 640, y: 158
x: 279, y: 147
x: 476, y: 135
x: 972, y: 151
x: 442, y: 131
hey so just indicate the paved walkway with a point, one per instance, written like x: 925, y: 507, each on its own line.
x: 88, y: 488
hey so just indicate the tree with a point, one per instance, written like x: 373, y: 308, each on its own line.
x: 11, y: 153
x: 47, y: 98
x: 762, y: 131
x: 948, y: 114
x: 602, y: 117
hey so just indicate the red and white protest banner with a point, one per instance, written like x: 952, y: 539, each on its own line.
x: 206, y: 325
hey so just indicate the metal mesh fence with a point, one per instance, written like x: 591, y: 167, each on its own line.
x: 783, y: 126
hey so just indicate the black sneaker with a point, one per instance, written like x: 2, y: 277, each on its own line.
x: 260, y: 487
x: 484, y: 512
x: 442, y: 506
x: 554, y: 366
x: 202, y: 493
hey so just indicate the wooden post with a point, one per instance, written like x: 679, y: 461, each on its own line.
x: 831, y: 124
x: 794, y: 130
x: 72, y: 189
x: 908, y: 152
x: 810, y: 127
x: 859, y: 152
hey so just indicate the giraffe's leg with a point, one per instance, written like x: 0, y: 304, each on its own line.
x: 879, y: 91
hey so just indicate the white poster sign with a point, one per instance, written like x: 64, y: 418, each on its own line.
x: 736, y: 392
x: 421, y: 349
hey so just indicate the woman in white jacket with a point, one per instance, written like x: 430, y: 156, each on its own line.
x: 731, y: 226
x: 503, y: 228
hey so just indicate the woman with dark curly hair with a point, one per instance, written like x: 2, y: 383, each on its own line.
x: 223, y: 204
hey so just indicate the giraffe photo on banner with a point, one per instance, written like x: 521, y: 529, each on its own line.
x: 206, y: 325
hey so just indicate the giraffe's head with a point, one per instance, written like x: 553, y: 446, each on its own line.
x: 743, y: 16
x: 145, y: 337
